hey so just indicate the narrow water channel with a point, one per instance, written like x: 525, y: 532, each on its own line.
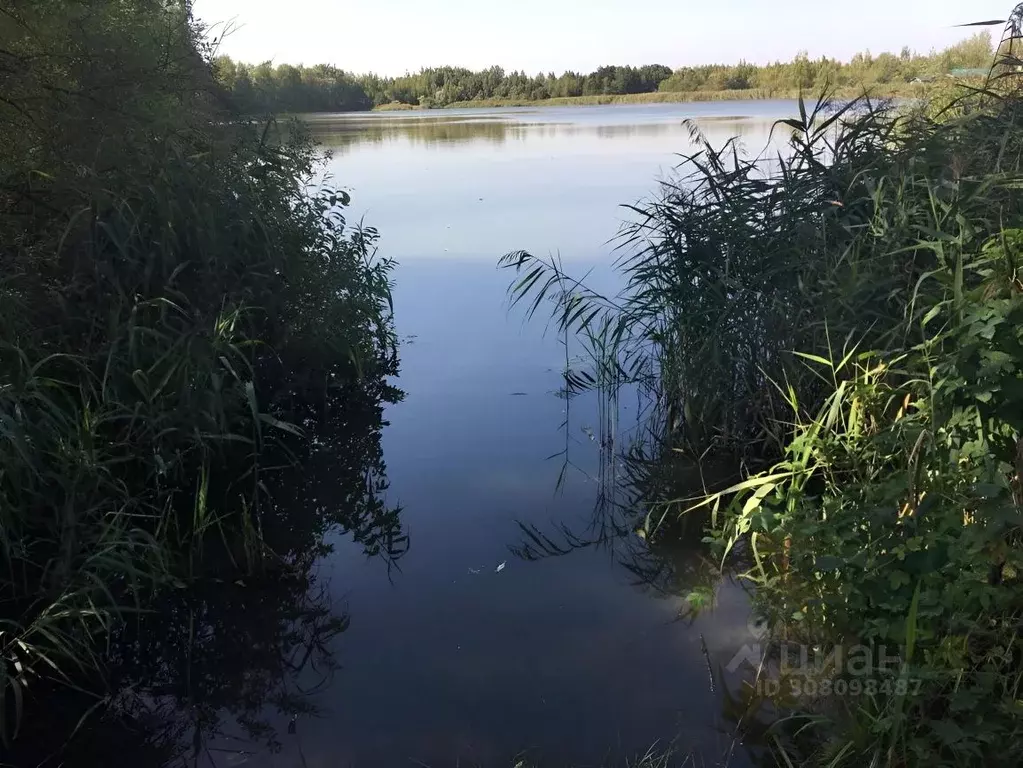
x: 474, y: 600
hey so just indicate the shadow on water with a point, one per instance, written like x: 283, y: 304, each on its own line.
x: 671, y: 562
x: 642, y: 522
x: 222, y: 668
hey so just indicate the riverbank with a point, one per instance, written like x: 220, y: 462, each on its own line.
x: 859, y: 358
x: 176, y: 299
x: 749, y: 94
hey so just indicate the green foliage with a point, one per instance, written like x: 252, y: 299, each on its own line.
x: 844, y: 319
x: 900, y: 497
x: 265, y: 88
x: 219, y: 658
x: 729, y: 270
x: 166, y: 278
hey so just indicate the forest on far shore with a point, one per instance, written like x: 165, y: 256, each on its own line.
x: 266, y: 87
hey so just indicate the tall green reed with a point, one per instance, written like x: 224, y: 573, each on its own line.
x: 169, y: 280
x: 842, y: 321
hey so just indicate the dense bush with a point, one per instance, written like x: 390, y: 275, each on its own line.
x: 167, y: 277
x: 844, y: 321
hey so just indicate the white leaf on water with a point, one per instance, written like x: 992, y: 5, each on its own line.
x: 500, y: 567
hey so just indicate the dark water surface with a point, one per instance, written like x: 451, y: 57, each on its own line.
x: 574, y: 657
x: 467, y: 647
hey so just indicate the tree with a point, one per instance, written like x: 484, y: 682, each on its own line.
x: 325, y: 88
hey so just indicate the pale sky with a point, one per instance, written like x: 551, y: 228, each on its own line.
x: 394, y: 36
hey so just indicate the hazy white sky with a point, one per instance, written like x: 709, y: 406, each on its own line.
x: 394, y: 36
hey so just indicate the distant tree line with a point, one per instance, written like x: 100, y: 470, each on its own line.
x: 324, y: 88
x: 864, y: 69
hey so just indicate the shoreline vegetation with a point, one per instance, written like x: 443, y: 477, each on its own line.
x: 181, y: 313
x: 264, y: 88
x: 187, y: 326
x: 908, y: 90
x: 845, y: 325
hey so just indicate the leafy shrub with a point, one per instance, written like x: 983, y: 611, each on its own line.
x: 168, y: 281
x: 844, y: 321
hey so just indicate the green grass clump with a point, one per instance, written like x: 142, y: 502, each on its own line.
x: 167, y: 281
x: 843, y: 320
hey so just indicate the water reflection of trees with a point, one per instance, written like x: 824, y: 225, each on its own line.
x: 640, y: 520
x: 638, y: 517
x: 635, y: 130
x: 343, y: 134
x: 221, y: 667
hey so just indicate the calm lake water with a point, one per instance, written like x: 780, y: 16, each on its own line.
x: 574, y: 657
x: 470, y: 647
